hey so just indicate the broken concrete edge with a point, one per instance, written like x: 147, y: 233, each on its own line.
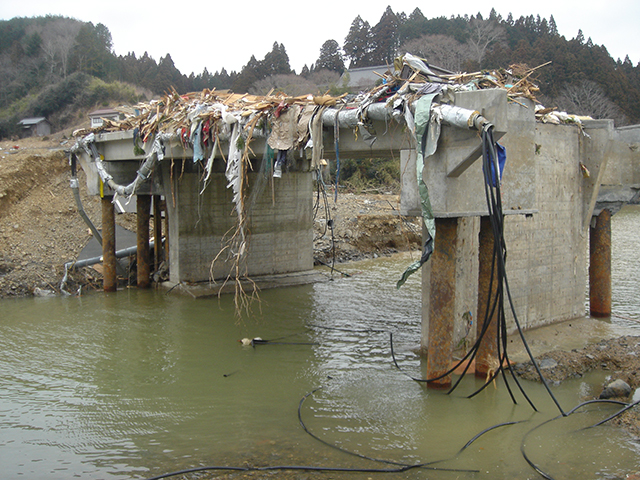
x: 262, y: 282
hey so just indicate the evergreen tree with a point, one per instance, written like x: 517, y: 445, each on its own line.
x: 357, y: 44
x: 330, y: 57
x: 553, y: 28
x: 168, y: 76
x: 250, y: 73
x: 412, y: 27
x: 384, y: 36
x: 275, y: 62
x: 92, y: 53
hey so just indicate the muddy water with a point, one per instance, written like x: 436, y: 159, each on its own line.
x: 136, y: 384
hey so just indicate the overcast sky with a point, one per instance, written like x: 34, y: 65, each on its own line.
x: 210, y: 34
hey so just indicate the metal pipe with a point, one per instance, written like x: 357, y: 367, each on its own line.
x: 87, y: 262
x: 381, y: 111
x: 75, y: 188
x: 74, y: 184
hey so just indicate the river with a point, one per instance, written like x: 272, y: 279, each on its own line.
x: 140, y: 383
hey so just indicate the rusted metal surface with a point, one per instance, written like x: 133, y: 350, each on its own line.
x: 110, y: 280
x: 157, y: 232
x: 488, y: 349
x: 143, y: 258
x: 442, y: 302
x: 166, y: 230
x: 600, y: 266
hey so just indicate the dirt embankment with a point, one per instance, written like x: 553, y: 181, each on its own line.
x: 41, y: 230
x: 363, y: 226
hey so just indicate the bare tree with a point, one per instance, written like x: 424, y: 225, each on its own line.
x: 484, y: 33
x: 588, y: 98
x: 324, y: 79
x: 440, y: 50
x: 58, y: 39
x: 290, y: 84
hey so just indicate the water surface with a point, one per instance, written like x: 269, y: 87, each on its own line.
x: 136, y: 384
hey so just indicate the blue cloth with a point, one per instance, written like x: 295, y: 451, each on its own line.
x: 502, y: 159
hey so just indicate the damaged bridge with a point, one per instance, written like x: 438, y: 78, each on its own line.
x: 236, y: 174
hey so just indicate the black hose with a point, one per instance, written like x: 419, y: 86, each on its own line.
x: 564, y: 415
x: 402, y: 466
x: 344, y: 274
x: 487, y: 430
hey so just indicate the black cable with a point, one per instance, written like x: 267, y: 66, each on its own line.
x: 344, y: 274
x: 487, y: 430
x: 564, y: 415
x: 352, y: 330
x: 404, y: 467
x: 329, y: 223
x: 627, y: 406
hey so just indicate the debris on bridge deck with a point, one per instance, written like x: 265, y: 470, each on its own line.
x: 222, y: 124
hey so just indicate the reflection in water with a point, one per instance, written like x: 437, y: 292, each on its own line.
x: 625, y: 295
x: 135, y: 384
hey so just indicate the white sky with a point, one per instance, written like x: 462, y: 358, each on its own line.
x: 209, y: 34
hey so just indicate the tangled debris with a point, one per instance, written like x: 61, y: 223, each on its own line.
x: 409, y: 77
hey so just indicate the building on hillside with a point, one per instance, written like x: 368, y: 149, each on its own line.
x: 35, y: 127
x: 364, y: 78
x: 97, y: 117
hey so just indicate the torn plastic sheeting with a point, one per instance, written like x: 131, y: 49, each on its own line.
x: 417, y: 64
x: 422, y: 119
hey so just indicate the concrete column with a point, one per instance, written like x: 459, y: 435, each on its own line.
x: 157, y: 232
x: 600, y: 265
x: 488, y: 349
x: 442, y: 301
x: 110, y: 279
x: 143, y: 211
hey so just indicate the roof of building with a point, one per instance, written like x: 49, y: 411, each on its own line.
x: 101, y: 112
x: 32, y: 121
x: 366, y: 76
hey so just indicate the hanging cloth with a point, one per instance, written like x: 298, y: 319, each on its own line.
x: 426, y: 143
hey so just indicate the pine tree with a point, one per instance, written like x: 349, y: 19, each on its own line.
x: 384, y: 37
x: 275, y: 62
x: 357, y: 46
x: 553, y: 28
x: 412, y: 27
x: 330, y: 57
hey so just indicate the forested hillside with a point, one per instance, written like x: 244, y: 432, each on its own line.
x: 61, y: 68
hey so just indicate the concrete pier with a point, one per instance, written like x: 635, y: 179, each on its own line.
x: 600, y: 265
